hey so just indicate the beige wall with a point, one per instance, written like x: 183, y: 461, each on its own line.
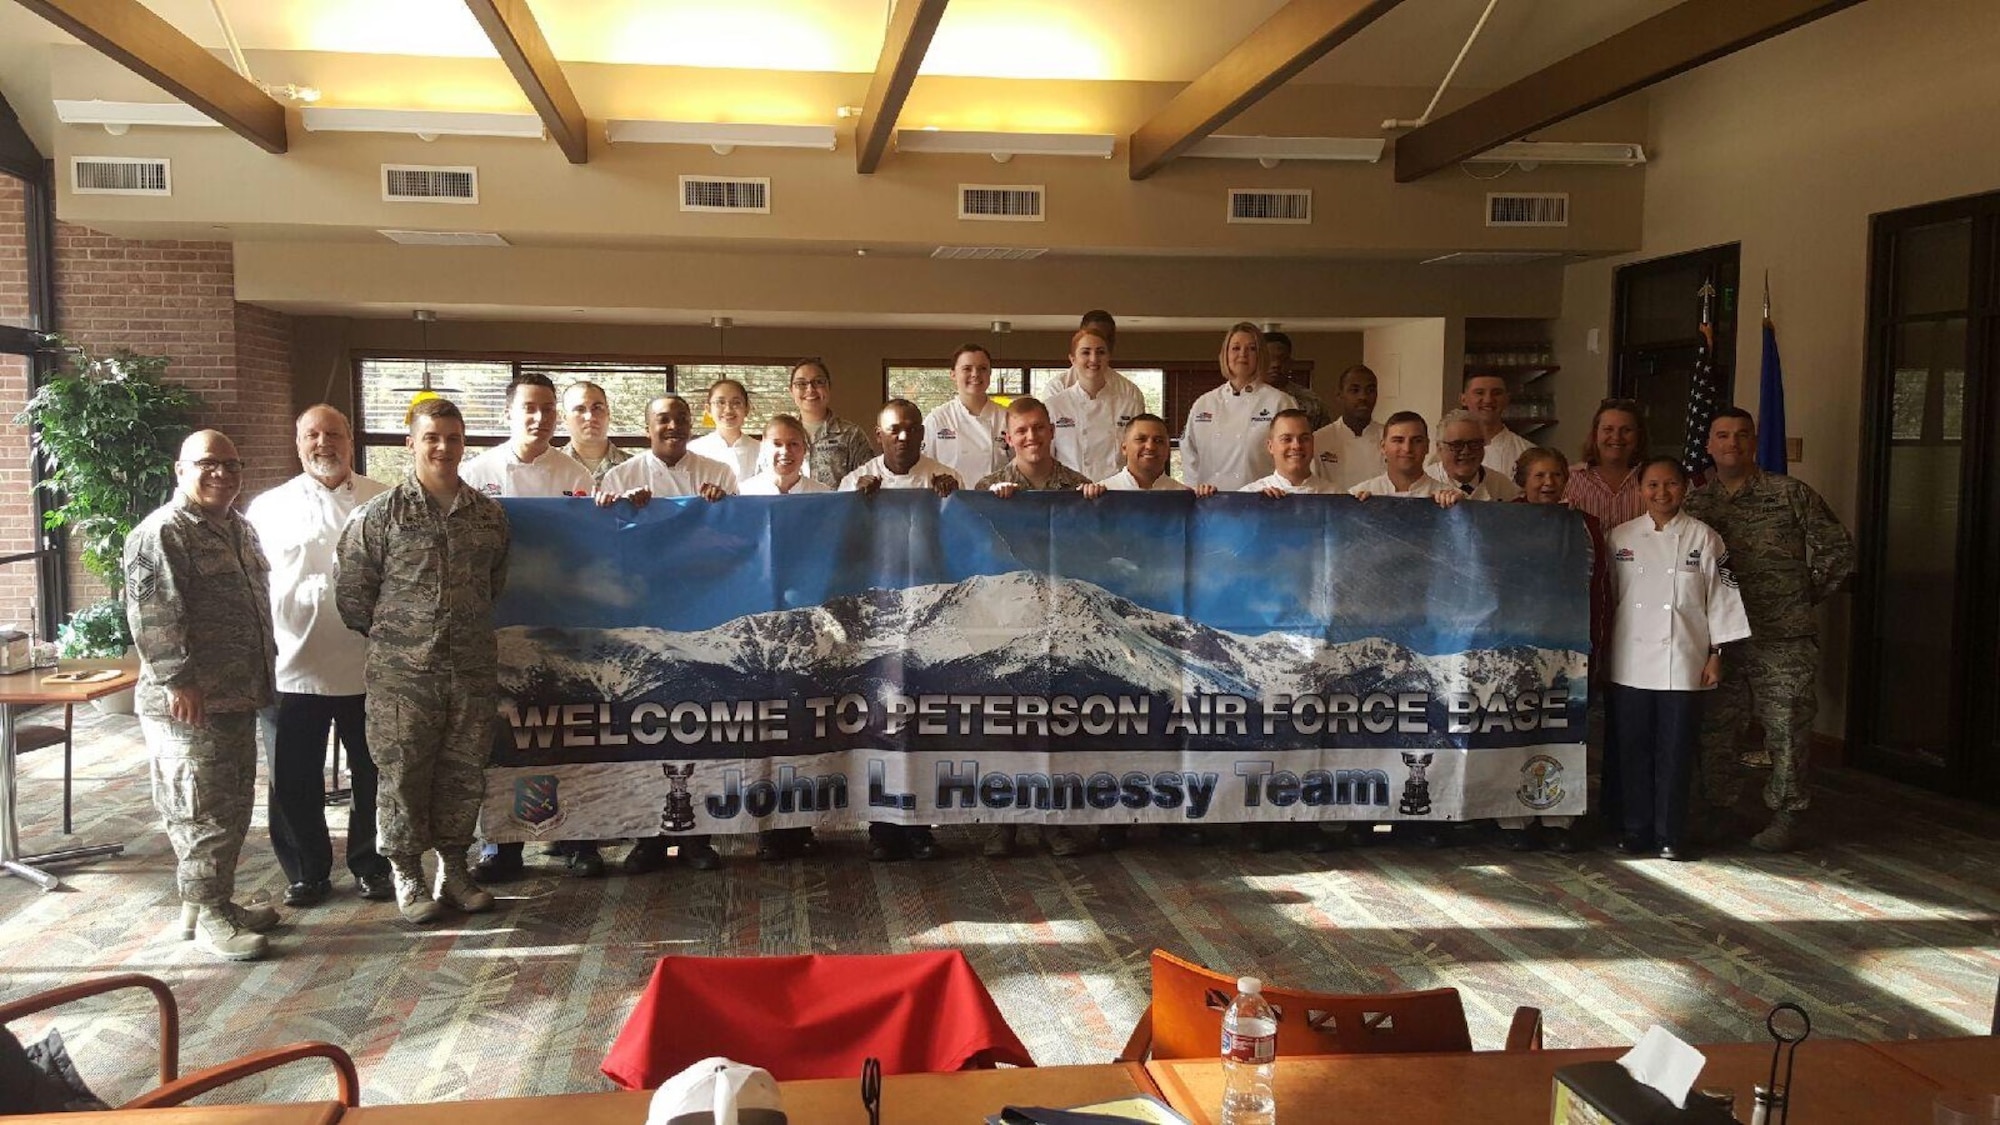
x: 1788, y: 148
x: 323, y: 345
x: 1409, y: 363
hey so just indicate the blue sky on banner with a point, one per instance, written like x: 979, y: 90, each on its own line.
x: 1477, y: 576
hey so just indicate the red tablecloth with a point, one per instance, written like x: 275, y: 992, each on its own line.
x: 813, y: 1017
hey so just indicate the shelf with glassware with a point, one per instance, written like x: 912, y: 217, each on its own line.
x: 1526, y: 369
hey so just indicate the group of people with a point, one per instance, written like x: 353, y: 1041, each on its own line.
x: 335, y: 602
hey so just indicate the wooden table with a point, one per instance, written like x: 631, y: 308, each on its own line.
x: 1836, y: 1082
x: 1970, y: 1065
x: 31, y: 689
x: 965, y: 1097
x: 275, y: 1113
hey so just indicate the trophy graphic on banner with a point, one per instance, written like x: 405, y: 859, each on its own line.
x: 1416, y: 787
x: 678, y: 814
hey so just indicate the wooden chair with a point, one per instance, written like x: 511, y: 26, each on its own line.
x: 1184, y: 1021
x: 176, y: 1088
x: 38, y: 736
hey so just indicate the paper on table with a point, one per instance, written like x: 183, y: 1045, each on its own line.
x: 1665, y: 1063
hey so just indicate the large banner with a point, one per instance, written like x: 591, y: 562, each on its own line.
x: 763, y: 663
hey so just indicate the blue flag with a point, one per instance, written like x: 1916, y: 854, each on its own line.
x: 1771, y: 407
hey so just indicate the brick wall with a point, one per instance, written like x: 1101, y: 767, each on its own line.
x: 17, y: 513
x: 175, y: 299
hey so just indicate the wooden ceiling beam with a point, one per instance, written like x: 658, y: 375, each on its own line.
x: 518, y: 38
x: 1295, y: 37
x: 911, y: 26
x: 129, y: 34
x: 1675, y: 41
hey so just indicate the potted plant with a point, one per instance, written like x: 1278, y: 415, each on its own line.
x: 107, y: 428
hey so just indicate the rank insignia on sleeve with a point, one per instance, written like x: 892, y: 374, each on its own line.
x: 142, y: 574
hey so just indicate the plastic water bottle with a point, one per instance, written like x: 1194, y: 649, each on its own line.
x: 1249, y: 1057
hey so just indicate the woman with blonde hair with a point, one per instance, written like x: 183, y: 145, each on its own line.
x: 1223, y: 441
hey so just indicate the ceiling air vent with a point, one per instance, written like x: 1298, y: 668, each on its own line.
x: 1533, y: 210
x: 738, y: 194
x: 121, y: 175
x: 443, y: 237
x: 989, y: 253
x: 1001, y: 203
x: 414, y: 183
x: 1262, y: 205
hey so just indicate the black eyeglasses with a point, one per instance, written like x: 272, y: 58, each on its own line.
x: 1469, y: 445
x: 807, y: 384
x: 211, y: 465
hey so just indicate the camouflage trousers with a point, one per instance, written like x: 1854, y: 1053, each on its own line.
x: 1772, y: 683
x: 431, y: 736
x: 204, y: 786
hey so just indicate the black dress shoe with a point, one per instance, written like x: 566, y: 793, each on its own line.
x: 584, y: 862
x: 502, y: 866
x: 1562, y: 840
x: 701, y: 856
x: 375, y: 888
x: 923, y: 845
x: 647, y: 856
x: 1633, y: 845
x: 310, y: 892
x: 1673, y: 854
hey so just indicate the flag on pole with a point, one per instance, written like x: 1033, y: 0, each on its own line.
x: 1704, y: 389
x: 1771, y: 397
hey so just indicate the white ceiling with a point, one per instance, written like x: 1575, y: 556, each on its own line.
x: 1127, y: 40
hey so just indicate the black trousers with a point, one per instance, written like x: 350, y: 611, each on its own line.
x: 1653, y: 738
x: 295, y: 733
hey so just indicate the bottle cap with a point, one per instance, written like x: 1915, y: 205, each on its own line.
x: 1249, y: 985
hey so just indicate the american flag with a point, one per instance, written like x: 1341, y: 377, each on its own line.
x: 1704, y: 389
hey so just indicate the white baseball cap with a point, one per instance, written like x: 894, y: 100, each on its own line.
x: 718, y: 1091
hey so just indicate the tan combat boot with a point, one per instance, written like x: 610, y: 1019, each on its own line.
x: 1781, y: 835
x: 455, y: 886
x: 413, y: 893
x: 256, y: 918
x: 217, y: 932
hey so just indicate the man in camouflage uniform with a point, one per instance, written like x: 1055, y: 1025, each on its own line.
x: 1034, y: 468
x: 420, y: 568
x: 197, y: 596
x: 1278, y: 348
x: 1790, y: 553
x: 587, y: 418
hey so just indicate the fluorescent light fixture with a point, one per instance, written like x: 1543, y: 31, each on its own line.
x: 1269, y: 151
x: 723, y: 138
x: 1005, y: 146
x: 1562, y: 152
x: 424, y: 123
x: 117, y: 117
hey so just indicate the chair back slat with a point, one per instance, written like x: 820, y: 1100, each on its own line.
x: 1189, y: 1000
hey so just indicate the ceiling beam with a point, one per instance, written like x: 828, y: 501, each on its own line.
x: 126, y: 32
x: 1295, y: 37
x: 911, y: 26
x: 519, y: 40
x: 1677, y: 40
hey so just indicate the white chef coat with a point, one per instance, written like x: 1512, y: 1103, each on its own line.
x: 299, y: 525
x: 1314, y: 486
x: 683, y: 479
x: 1492, y: 484
x: 1673, y: 596
x: 741, y: 457
x: 497, y: 472
x: 1223, y: 442
x: 921, y: 475
x: 1088, y: 429
x: 1123, y: 481
x: 966, y: 443
x: 1425, y: 485
x: 766, y: 484
x: 1345, y: 457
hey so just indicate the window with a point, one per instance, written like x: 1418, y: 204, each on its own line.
x: 385, y: 385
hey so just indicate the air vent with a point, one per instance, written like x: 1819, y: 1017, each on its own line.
x: 1260, y: 205
x: 415, y: 183
x: 121, y: 175
x: 1534, y: 210
x: 999, y: 203
x: 740, y: 195
x: 989, y: 253
x: 1492, y: 257
x: 443, y: 237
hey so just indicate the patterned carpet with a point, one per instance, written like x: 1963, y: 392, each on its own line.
x: 1889, y: 928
